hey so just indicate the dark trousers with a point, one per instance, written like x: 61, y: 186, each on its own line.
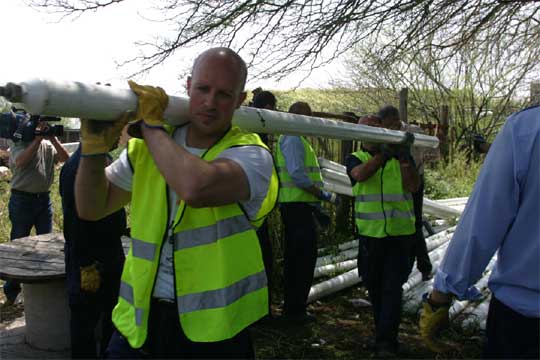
x: 166, y: 340
x: 300, y: 255
x: 26, y: 211
x: 419, y: 250
x: 266, y: 250
x: 91, y: 316
x: 384, y: 265
x: 510, y: 335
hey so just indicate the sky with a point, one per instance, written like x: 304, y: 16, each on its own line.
x: 89, y: 48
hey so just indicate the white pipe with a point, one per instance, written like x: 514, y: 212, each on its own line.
x: 344, y: 246
x: 71, y: 147
x: 332, y: 259
x: 332, y: 165
x: 336, y: 187
x: 440, y: 210
x: 335, y: 176
x: 334, y: 268
x: 76, y: 99
x: 335, y: 284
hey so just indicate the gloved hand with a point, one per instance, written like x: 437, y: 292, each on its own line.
x: 329, y: 196
x: 152, y: 102
x: 432, y: 321
x: 99, y: 137
x: 403, y: 149
x: 90, y: 278
x: 388, y: 151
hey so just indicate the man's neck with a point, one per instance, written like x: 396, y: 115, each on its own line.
x: 200, y: 141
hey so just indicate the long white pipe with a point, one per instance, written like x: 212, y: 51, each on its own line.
x: 332, y: 259
x: 325, y: 270
x: 333, y: 285
x: 335, y: 176
x: 344, y: 246
x: 90, y: 101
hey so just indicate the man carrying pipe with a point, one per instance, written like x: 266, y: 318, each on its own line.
x: 194, y: 278
x: 383, y: 178
x: 390, y: 120
x: 299, y: 198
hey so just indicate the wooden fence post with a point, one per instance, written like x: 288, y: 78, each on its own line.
x: 344, y: 221
x: 403, y: 98
x: 442, y: 132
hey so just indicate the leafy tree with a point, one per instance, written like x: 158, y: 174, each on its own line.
x: 482, y: 83
x: 279, y: 36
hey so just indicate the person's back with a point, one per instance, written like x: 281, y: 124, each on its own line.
x: 501, y: 217
x: 88, y: 244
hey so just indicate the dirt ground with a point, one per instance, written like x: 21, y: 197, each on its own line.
x: 341, y: 331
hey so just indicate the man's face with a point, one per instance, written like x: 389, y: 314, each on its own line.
x: 215, y: 92
x: 391, y: 123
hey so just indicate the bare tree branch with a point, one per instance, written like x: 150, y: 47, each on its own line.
x: 280, y: 36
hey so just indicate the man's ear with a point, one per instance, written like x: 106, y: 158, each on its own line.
x: 241, y: 99
x: 188, y: 85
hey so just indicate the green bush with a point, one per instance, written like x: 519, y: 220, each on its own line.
x: 453, y: 179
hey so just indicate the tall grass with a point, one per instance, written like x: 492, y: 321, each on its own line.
x: 453, y: 179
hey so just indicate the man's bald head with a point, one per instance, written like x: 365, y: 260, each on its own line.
x: 226, y: 56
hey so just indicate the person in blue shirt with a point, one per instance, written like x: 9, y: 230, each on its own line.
x: 299, y: 199
x: 502, y: 216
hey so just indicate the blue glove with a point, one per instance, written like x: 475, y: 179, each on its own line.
x: 329, y: 196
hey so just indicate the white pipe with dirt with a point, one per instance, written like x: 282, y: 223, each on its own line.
x: 100, y: 102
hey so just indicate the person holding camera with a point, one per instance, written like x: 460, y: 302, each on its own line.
x: 32, y: 165
x: 299, y: 196
x: 383, y: 178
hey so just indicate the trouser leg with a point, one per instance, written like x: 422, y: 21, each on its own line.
x: 510, y: 335
x: 84, y: 318
x: 44, y: 216
x: 300, y: 256
x: 394, y: 273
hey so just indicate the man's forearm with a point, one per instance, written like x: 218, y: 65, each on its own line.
x: 409, y: 177
x: 61, y: 152
x: 91, y: 187
x: 366, y: 170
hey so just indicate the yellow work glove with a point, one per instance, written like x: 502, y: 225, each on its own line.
x: 432, y: 321
x: 151, y: 104
x: 90, y: 278
x: 100, y: 137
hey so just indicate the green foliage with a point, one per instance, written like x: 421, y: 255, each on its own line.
x: 453, y: 179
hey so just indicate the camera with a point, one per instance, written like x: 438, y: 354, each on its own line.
x: 18, y: 125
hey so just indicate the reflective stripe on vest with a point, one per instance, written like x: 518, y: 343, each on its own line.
x: 126, y: 292
x: 289, y: 192
x: 217, y: 258
x: 212, y: 233
x: 387, y: 214
x: 382, y: 207
x: 221, y: 297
